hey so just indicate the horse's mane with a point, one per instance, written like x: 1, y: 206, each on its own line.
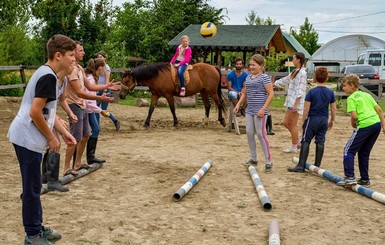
x: 149, y: 71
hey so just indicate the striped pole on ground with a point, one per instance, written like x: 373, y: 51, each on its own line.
x: 69, y: 178
x: 274, y: 233
x: 192, y: 181
x: 335, y: 178
x: 260, y: 189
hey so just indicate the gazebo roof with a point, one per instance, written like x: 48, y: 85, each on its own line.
x: 235, y: 37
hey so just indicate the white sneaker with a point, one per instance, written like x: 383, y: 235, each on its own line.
x: 290, y: 150
x: 182, y: 91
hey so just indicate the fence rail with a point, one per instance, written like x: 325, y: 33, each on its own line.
x: 380, y: 83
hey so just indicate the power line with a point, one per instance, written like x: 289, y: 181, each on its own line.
x: 350, y: 27
x: 351, y: 32
x: 348, y: 18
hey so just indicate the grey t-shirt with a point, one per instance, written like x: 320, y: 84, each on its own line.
x: 23, y: 132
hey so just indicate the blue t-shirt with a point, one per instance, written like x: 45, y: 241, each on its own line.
x: 236, y: 82
x: 320, y: 97
x: 256, y: 93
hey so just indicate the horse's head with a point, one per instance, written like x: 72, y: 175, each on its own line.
x: 128, y: 84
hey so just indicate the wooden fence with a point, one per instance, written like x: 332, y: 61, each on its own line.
x: 379, y: 83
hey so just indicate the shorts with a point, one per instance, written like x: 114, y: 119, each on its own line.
x: 81, y: 128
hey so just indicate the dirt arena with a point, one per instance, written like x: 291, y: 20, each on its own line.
x: 129, y: 200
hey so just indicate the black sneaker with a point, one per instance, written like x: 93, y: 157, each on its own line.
x: 365, y: 183
x: 39, y: 239
x: 347, y: 181
x: 51, y: 234
x: 268, y: 167
x: 250, y: 162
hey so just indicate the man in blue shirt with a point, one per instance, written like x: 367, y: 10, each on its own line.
x: 235, y: 80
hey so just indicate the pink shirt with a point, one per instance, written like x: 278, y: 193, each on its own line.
x: 187, y: 55
x: 91, y: 105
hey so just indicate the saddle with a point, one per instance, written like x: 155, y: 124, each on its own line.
x: 175, y: 77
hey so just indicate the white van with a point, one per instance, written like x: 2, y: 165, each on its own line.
x: 374, y: 57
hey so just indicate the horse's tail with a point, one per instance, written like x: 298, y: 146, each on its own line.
x: 219, y: 90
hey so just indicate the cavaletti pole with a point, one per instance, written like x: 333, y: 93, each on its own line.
x: 274, y: 233
x: 260, y: 189
x: 69, y: 178
x: 379, y: 197
x: 192, y: 181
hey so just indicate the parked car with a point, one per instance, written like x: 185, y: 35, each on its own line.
x: 374, y: 57
x: 363, y: 72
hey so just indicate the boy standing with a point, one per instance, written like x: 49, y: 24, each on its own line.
x: 31, y: 133
x: 367, y: 119
x: 315, y: 119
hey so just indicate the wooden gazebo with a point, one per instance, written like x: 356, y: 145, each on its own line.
x: 233, y: 38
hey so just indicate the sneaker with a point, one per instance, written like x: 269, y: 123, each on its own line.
x: 290, y: 150
x: 268, y: 167
x: 365, y: 183
x: 182, y: 91
x: 117, y: 125
x: 347, y: 181
x: 51, y: 234
x: 37, y: 240
x: 250, y: 162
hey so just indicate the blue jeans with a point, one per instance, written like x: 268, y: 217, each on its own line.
x: 181, y: 70
x: 32, y: 211
x: 94, y: 124
x: 104, y: 106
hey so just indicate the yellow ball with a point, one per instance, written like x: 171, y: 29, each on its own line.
x: 208, y: 30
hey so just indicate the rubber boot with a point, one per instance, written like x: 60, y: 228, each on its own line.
x: 319, y: 152
x: 269, y: 125
x: 300, y: 167
x: 44, y: 169
x: 53, y: 164
x: 91, y: 147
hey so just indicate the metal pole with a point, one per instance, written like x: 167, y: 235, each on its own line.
x: 274, y: 233
x: 192, y: 181
x: 260, y: 189
x: 335, y: 178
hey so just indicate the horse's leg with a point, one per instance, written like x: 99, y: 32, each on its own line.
x: 217, y: 101
x: 206, y: 102
x: 170, y: 100
x: 154, y: 100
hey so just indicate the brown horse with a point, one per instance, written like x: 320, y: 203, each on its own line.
x: 204, y: 79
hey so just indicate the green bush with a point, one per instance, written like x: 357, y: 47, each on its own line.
x: 9, y: 80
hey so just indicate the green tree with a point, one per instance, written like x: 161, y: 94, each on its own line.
x: 93, y: 26
x: 56, y: 17
x: 253, y: 19
x: 307, y: 37
x: 14, y: 12
x: 144, y: 28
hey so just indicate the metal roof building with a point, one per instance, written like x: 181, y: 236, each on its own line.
x: 343, y: 51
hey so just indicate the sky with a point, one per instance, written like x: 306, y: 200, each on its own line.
x: 330, y: 18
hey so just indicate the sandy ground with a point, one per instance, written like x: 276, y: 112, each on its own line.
x: 129, y: 200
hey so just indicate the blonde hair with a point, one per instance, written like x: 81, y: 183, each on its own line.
x: 351, y: 79
x: 258, y: 59
x: 185, y: 36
